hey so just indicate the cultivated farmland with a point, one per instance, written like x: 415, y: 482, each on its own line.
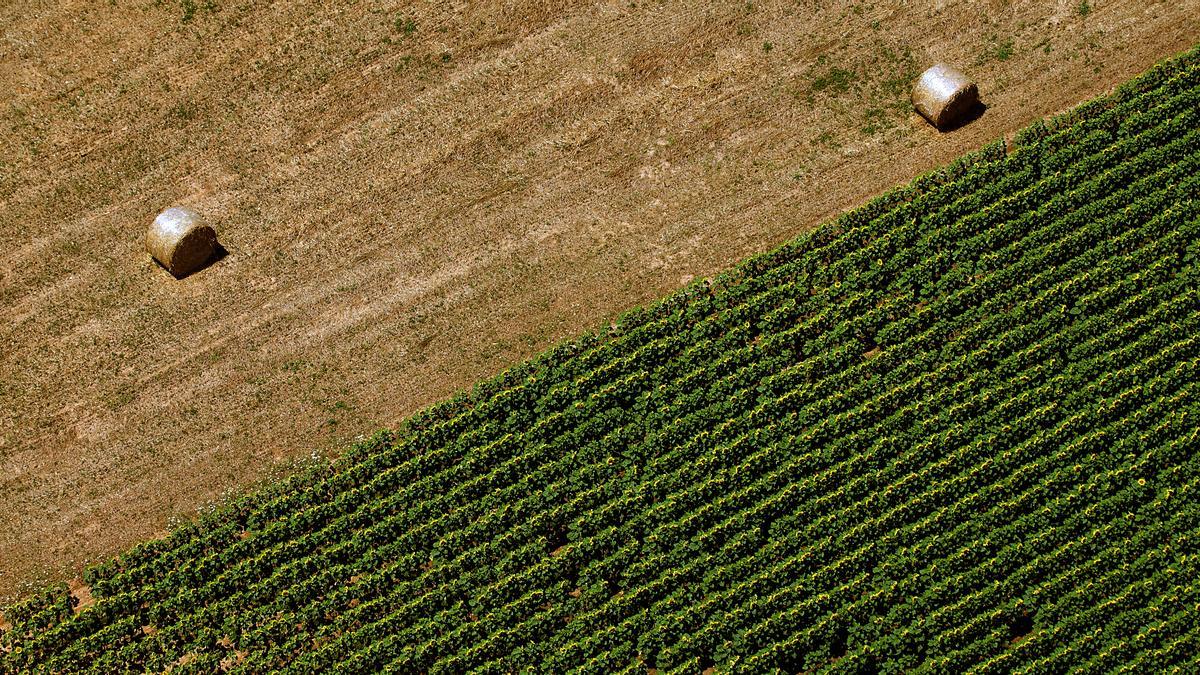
x: 417, y: 195
x: 954, y: 428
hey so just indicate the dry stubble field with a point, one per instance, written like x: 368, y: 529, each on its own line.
x: 414, y: 196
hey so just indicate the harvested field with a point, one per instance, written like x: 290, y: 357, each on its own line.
x: 416, y: 196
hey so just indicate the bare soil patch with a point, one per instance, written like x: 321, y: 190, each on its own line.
x: 414, y: 196
x: 81, y: 596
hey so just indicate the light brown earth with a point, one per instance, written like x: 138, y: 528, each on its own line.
x: 414, y: 196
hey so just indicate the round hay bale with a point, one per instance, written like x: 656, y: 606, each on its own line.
x: 180, y: 241
x: 944, y: 96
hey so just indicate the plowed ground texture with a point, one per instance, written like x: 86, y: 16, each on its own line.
x: 415, y: 195
x: 954, y: 429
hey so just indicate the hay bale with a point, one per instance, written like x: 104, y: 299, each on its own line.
x: 944, y: 96
x: 180, y: 241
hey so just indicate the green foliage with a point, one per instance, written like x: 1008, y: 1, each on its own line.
x: 836, y: 81
x: 997, y: 49
x: 189, y: 8
x: 1084, y: 8
x: 405, y: 25
x: 952, y: 430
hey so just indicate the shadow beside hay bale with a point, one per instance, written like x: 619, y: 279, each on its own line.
x: 971, y: 114
x: 219, y: 253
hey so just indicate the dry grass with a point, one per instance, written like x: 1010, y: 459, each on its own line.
x: 413, y: 197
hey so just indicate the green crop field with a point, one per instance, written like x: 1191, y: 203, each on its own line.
x: 956, y: 428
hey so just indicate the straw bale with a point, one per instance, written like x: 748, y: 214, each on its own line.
x: 180, y: 241
x: 944, y: 96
